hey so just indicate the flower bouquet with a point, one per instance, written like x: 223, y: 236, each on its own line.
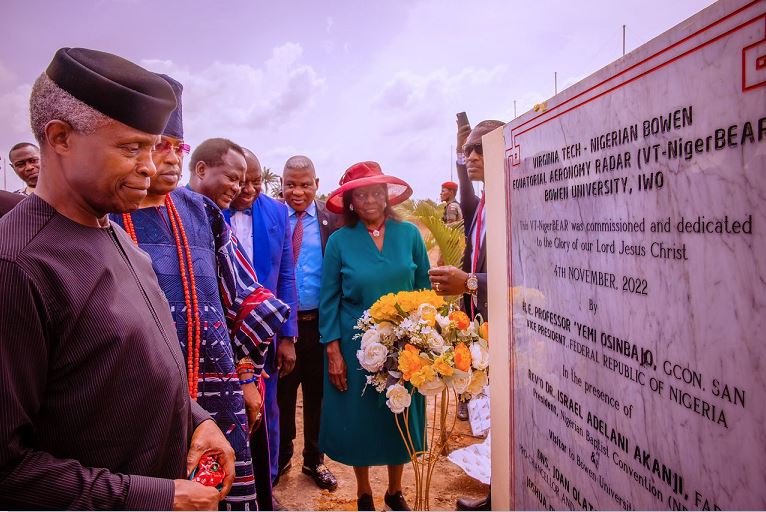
x: 415, y: 342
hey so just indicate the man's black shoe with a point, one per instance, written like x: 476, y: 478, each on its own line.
x: 322, y: 476
x: 462, y: 410
x: 364, y: 502
x: 484, y: 503
x: 396, y: 501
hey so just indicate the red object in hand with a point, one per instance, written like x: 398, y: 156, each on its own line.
x: 209, y: 472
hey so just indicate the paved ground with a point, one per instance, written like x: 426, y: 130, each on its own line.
x: 297, y: 491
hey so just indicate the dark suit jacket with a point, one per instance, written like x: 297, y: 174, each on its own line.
x: 328, y: 222
x: 8, y: 200
x: 469, y: 203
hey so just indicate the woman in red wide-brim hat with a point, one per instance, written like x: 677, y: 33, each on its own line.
x: 375, y: 253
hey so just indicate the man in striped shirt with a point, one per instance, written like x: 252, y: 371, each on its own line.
x: 94, y: 402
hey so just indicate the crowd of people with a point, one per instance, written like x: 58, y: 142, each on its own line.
x: 146, y: 324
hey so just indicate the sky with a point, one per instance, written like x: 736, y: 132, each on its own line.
x: 339, y: 81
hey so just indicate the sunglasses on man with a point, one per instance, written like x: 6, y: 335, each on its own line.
x: 179, y: 149
x: 470, y: 148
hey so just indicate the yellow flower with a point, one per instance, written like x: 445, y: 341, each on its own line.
x: 409, y: 361
x: 443, y: 366
x: 484, y: 331
x: 423, y: 375
x: 462, y: 357
x: 461, y: 319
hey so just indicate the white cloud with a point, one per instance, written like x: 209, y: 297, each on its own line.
x: 227, y: 98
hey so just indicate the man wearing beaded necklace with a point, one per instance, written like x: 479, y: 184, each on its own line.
x: 221, y: 312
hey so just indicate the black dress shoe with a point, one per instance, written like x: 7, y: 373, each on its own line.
x: 322, y: 476
x: 364, y: 502
x: 462, y: 411
x: 484, y: 503
x: 282, y: 470
x: 396, y: 501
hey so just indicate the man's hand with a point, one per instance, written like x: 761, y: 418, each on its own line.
x: 463, y: 131
x: 208, y: 438
x: 285, y: 356
x: 448, y: 280
x: 336, y: 366
x: 253, y: 404
x: 190, y: 495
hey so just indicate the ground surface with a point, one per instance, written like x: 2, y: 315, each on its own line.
x: 297, y: 491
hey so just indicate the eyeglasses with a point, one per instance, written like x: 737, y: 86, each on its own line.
x: 469, y: 148
x: 179, y: 149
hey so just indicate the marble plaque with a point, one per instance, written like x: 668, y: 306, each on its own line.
x: 637, y: 260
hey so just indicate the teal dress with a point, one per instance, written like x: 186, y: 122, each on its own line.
x: 358, y: 429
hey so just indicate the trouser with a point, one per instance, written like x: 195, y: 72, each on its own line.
x: 272, y: 408
x: 259, y: 447
x: 308, y: 373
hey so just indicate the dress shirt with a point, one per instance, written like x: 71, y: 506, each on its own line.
x: 242, y: 225
x: 308, y: 268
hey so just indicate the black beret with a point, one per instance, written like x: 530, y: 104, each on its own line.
x: 115, y: 87
x: 175, y: 126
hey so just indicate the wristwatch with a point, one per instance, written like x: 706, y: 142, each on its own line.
x: 472, y: 284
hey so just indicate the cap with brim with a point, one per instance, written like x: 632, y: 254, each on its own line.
x: 115, y: 87
x: 364, y: 174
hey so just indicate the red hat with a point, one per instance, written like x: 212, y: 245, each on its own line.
x: 449, y: 184
x: 362, y: 175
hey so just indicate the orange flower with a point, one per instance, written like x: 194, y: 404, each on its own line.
x: 462, y: 357
x: 410, y: 361
x: 443, y: 367
x: 484, y: 330
x: 424, y: 374
x: 461, y: 319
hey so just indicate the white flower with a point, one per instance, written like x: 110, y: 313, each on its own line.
x: 370, y: 336
x: 479, y: 356
x: 386, y: 332
x: 372, y: 356
x: 478, y: 381
x: 431, y: 387
x: 435, y: 341
x: 398, y: 398
x: 443, y: 321
x: 459, y: 381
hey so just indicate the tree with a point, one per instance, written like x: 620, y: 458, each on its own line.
x: 272, y: 182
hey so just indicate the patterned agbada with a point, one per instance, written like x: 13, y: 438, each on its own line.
x: 94, y: 407
x: 238, y: 317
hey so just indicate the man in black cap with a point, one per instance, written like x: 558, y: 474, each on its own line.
x: 94, y: 399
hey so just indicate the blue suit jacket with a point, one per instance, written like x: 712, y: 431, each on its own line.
x: 274, y: 264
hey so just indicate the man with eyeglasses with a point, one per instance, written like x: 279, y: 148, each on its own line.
x: 471, y: 280
x: 221, y: 313
x: 25, y: 160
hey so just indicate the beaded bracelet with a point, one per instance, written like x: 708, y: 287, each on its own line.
x: 249, y: 381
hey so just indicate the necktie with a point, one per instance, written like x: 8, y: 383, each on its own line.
x: 298, y: 235
x: 477, y: 237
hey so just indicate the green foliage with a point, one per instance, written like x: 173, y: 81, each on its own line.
x: 450, y: 239
x: 272, y: 182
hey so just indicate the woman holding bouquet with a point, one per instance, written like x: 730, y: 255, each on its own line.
x: 372, y: 255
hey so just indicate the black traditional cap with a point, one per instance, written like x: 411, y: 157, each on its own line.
x: 175, y: 126
x: 115, y: 87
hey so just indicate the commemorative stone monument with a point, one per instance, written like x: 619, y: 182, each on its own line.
x: 636, y: 209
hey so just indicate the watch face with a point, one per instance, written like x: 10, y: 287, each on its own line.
x: 473, y: 283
